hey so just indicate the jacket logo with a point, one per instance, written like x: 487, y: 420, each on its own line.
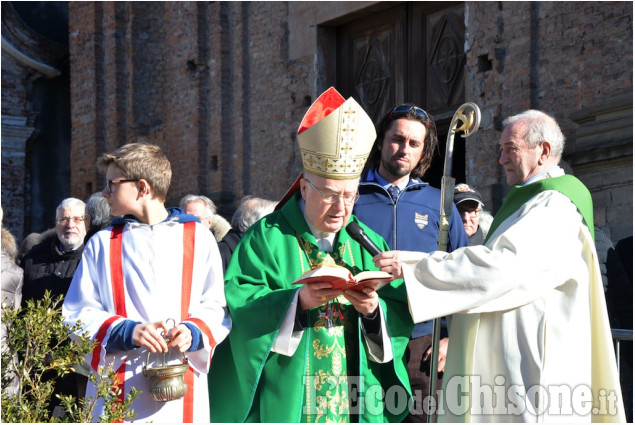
x: 421, y: 220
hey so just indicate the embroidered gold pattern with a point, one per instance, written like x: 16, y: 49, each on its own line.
x: 326, y: 399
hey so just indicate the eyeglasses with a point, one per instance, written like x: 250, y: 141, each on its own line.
x: 66, y: 220
x: 112, y: 184
x: 404, y: 109
x: 331, y: 198
x: 471, y: 212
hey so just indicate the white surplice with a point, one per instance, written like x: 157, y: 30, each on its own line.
x: 532, y: 320
x: 152, y: 264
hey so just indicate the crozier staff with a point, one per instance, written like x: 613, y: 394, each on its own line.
x: 530, y: 311
x: 395, y: 202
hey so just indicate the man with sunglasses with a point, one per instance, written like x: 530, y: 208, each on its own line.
x: 309, y: 353
x: 398, y: 205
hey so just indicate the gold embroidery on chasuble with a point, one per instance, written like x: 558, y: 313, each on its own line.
x: 331, y: 325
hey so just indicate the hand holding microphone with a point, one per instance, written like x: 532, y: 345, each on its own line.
x: 387, y: 261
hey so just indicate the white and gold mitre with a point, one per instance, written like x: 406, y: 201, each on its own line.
x: 335, y: 137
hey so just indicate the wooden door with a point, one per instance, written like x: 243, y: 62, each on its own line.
x: 371, y: 60
x: 412, y: 52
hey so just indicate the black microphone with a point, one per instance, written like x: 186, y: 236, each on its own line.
x: 358, y: 234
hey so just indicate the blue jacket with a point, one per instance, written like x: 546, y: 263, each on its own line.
x: 409, y: 223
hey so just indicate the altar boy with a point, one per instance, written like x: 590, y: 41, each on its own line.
x: 152, y: 265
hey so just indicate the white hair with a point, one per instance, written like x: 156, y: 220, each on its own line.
x: 98, y: 209
x: 69, y: 202
x: 540, y: 127
x: 250, y: 210
x: 210, y: 207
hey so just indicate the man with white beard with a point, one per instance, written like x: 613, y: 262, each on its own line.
x: 50, y: 265
x: 51, y: 262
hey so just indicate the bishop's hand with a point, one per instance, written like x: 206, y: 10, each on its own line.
x: 365, y: 302
x: 315, y: 294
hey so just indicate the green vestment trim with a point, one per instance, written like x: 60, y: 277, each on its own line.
x: 568, y: 185
x: 330, y: 327
x: 248, y: 381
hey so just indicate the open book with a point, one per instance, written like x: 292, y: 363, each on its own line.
x: 341, y: 278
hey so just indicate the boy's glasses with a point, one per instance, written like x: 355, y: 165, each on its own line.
x: 404, y: 109
x: 331, y: 198
x: 111, y: 184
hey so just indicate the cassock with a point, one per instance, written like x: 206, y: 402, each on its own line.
x: 150, y: 267
x: 531, y: 342
x: 267, y: 372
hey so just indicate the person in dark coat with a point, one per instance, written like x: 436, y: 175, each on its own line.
x: 50, y: 264
x: 619, y: 302
x: 250, y: 210
x: 396, y: 203
x: 98, y: 214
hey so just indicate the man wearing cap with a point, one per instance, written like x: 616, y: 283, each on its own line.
x: 530, y: 339
x: 468, y: 203
x: 309, y: 353
x: 398, y: 205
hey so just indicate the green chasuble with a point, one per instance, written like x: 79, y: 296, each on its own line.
x: 330, y: 377
x: 568, y: 185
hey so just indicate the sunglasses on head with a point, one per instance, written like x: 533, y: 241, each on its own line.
x: 404, y: 109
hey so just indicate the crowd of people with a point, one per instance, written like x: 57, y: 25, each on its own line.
x: 521, y: 293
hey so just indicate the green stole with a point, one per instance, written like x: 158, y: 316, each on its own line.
x: 568, y: 185
x: 329, y: 361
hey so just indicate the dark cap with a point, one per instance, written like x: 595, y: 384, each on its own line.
x: 463, y: 192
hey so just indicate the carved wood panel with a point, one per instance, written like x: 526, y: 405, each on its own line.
x: 410, y: 53
x: 371, y: 60
x: 445, y: 58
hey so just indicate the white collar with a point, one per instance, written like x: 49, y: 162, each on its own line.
x: 554, y: 171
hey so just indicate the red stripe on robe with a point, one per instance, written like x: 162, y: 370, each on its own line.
x: 189, y: 230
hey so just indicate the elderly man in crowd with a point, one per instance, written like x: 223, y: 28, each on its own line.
x: 50, y: 265
x: 250, y: 210
x: 530, y: 340
x: 470, y: 207
x: 205, y: 210
x: 98, y: 214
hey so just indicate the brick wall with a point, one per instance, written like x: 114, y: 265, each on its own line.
x: 210, y: 83
x: 215, y: 85
x: 16, y: 130
x: 559, y: 57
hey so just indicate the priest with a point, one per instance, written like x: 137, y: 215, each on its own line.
x: 530, y: 340
x: 310, y: 353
